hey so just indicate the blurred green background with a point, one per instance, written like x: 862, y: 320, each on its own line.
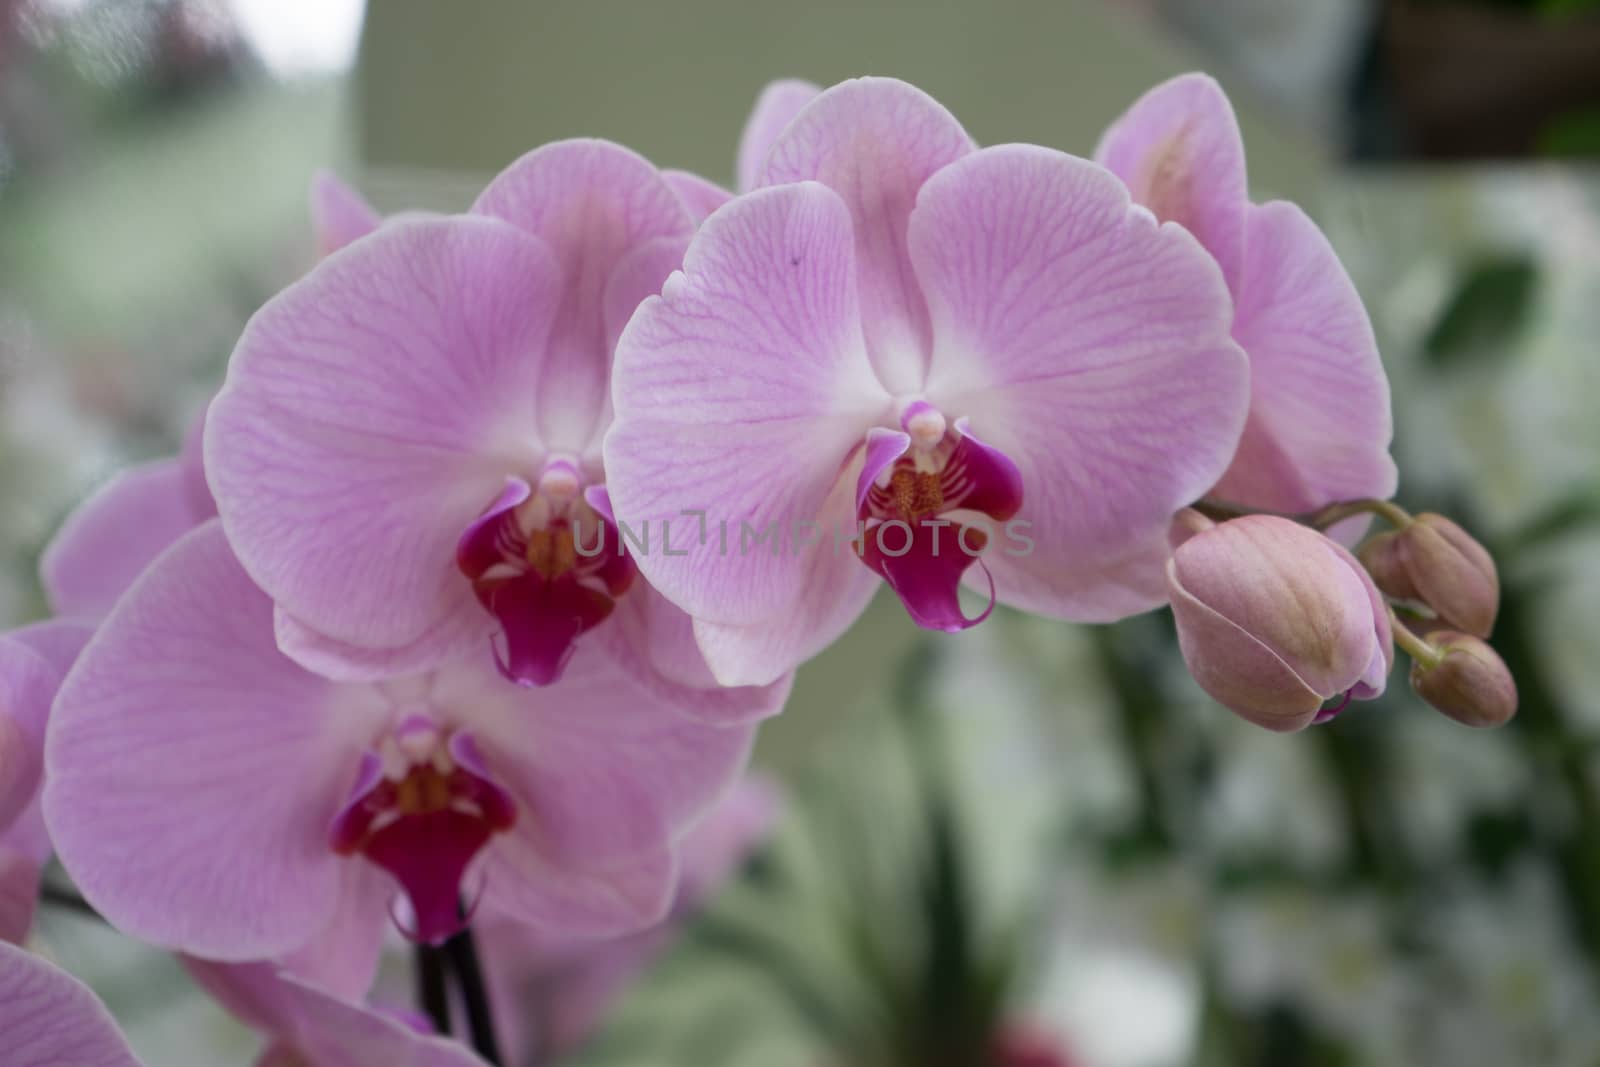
x: 1160, y: 883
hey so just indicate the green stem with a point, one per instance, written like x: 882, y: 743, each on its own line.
x: 1413, y: 645
x: 1388, y: 510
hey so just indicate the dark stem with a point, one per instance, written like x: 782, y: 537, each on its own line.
x: 432, y: 996
x: 462, y: 952
x: 68, y: 900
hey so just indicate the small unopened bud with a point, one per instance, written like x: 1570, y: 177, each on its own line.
x: 1470, y: 682
x: 1437, y: 562
x: 1274, y: 619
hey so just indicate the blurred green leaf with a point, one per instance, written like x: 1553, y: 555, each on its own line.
x: 1569, y: 516
x: 1487, y: 313
x: 1573, y: 135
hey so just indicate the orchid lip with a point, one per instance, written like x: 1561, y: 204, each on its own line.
x: 924, y: 504
x: 548, y: 567
x: 422, y: 808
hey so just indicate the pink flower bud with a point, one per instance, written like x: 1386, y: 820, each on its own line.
x: 1437, y: 562
x: 1274, y: 619
x: 1471, y: 683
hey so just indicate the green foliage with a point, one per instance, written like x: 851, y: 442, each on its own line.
x: 1488, y: 311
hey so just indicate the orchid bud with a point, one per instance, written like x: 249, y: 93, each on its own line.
x: 1274, y: 619
x: 1437, y: 562
x: 1469, y: 682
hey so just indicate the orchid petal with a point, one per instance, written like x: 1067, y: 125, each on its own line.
x: 637, y: 276
x: 591, y: 202
x: 115, y: 534
x: 339, y: 214
x: 467, y: 630
x: 775, y: 108
x: 1320, y: 424
x: 343, y: 958
x: 653, y: 640
x: 606, y: 777
x: 28, y: 684
x: 834, y: 589
x: 1090, y: 347
x: 50, y: 1019
x: 741, y: 391
x: 874, y: 141
x: 1179, y: 151
x: 190, y: 805
x: 314, y: 1025
x: 56, y: 641
x: 700, y: 196
x: 19, y: 892
x: 371, y: 410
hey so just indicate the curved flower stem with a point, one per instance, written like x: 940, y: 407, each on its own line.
x: 462, y: 952
x: 1415, y: 646
x: 432, y: 996
x: 1388, y: 510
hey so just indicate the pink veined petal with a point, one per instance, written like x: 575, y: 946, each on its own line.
x: 599, y: 769
x: 56, y: 641
x: 700, y: 196
x: 339, y: 214
x: 874, y: 141
x: 191, y: 805
x: 1320, y: 424
x: 28, y: 684
x: 332, y: 1031
x: 370, y: 412
x: 592, y: 202
x: 741, y: 392
x: 775, y: 108
x: 618, y: 898
x: 638, y: 275
x: 344, y: 957
x: 311, y: 1024
x: 653, y: 641
x: 19, y: 893
x: 50, y: 1019
x: 112, y: 536
x: 834, y: 590
x: 1179, y: 151
x: 714, y: 850
x: 1091, y: 348
x: 466, y: 631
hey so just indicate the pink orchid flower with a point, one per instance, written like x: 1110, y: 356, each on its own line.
x: 209, y: 795
x: 1320, y: 424
x: 931, y: 340
x: 33, y: 661
x: 308, y: 1026
x: 121, y: 528
x: 552, y: 990
x: 406, y: 454
x: 50, y: 1019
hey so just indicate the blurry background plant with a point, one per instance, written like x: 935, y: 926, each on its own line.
x: 1031, y: 830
